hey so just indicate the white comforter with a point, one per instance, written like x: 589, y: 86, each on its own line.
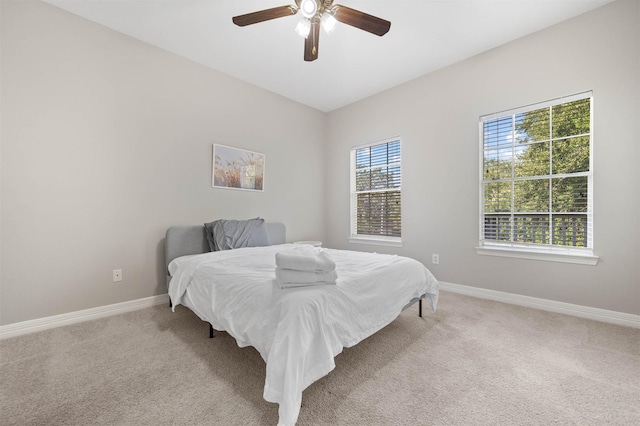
x: 297, y: 331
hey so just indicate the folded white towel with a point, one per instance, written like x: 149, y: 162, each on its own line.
x: 290, y: 276
x: 305, y: 258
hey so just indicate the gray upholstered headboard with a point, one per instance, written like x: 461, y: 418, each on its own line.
x: 185, y: 240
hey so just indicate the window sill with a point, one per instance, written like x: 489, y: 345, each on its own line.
x: 539, y: 254
x: 390, y: 242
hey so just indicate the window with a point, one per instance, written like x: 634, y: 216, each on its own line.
x: 376, y: 182
x: 536, y: 186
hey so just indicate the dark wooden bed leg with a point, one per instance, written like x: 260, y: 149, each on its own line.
x: 170, y: 304
x: 210, y: 331
x: 420, y: 308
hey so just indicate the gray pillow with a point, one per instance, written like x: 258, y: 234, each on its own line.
x: 209, y: 230
x: 223, y: 234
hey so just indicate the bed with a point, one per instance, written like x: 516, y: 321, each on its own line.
x: 297, y: 331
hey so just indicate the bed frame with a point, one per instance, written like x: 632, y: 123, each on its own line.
x: 187, y: 240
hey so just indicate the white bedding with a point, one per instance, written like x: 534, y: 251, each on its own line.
x: 298, y: 331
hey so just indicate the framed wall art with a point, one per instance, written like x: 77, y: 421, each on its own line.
x: 235, y: 168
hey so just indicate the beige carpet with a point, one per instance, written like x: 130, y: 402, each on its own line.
x: 474, y: 362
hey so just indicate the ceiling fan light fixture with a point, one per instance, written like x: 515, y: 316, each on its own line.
x: 329, y: 22
x: 308, y: 8
x: 304, y: 27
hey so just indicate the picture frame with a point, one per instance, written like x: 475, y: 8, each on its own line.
x: 236, y: 168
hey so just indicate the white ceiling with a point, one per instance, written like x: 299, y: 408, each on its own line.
x: 352, y: 64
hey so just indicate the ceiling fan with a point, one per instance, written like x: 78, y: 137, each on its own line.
x: 316, y: 13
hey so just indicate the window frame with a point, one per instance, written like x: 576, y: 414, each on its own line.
x: 545, y: 252
x: 354, y: 237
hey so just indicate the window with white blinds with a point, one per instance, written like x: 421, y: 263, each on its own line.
x: 536, y: 188
x: 376, y: 187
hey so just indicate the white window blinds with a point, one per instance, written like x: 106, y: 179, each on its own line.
x: 376, y: 180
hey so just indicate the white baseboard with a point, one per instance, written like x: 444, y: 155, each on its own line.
x: 40, y: 324
x: 596, y: 314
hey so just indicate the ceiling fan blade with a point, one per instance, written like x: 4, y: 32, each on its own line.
x: 311, y: 42
x: 362, y: 20
x: 264, y: 15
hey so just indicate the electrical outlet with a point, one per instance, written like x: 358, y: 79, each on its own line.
x: 117, y: 275
x: 435, y: 259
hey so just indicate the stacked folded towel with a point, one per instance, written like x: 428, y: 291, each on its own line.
x: 305, y: 266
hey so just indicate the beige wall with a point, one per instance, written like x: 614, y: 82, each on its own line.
x: 107, y: 141
x: 437, y: 118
